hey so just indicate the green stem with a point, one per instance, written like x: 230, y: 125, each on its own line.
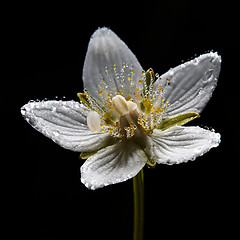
x: 138, y: 199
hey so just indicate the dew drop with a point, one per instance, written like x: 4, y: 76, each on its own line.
x: 54, y: 109
x: 208, y: 75
x: 56, y: 133
x: 195, y: 61
x: 23, y: 111
x: 31, y: 105
x: 171, y: 73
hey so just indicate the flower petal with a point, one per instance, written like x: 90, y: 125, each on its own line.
x: 191, y: 84
x: 65, y: 123
x: 106, y: 49
x: 181, y: 144
x: 113, y: 164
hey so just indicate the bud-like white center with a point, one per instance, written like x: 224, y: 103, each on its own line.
x: 120, y: 105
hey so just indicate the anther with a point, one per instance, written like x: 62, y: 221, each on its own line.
x: 120, y: 104
x: 94, y: 122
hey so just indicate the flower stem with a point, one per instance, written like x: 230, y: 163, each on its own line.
x: 138, y: 199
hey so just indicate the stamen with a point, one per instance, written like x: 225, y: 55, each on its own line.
x: 120, y: 105
x: 124, y: 106
x: 94, y: 122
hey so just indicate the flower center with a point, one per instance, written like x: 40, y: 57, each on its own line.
x: 127, y: 105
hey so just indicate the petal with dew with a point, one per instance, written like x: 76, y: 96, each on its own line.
x: 181, y: 144
x: 107, y: 50
x: 113, y: 164
x: 191, y: 84
x: 65, y: 123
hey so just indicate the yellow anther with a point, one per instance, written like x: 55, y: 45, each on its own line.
x: 131, y: 124
x: 140, y: 81
x: 136, y: 90
x: 129, y: 79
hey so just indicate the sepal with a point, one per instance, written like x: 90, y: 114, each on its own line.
x: 86, y: 155
x: 178, y: 120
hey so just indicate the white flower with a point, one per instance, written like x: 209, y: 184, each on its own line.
x: 128, y: 117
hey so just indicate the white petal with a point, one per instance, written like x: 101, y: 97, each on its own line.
x: 191, y: 84
x: 106, y: 49
x: 65, y: 123
x: 181, y: 144
x: 113, y: 164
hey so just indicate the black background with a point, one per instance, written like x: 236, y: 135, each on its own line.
x: 197, y: 199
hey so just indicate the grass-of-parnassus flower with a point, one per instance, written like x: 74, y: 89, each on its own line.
x: 128, y: 117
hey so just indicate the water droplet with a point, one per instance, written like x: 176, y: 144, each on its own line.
x: 208, y: 75
x: 31, y: 105
x: 171, y: 72
x: 54, y: 109
x: 56, y: 133
x: 23, y: 111
x: 195, y: 61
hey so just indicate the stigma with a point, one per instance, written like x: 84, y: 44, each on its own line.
x: 127, y: 105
